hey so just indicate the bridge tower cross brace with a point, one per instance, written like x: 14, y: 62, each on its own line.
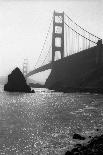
x: 58, y: 34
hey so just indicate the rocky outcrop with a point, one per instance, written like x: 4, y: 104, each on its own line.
x: 17, y: 82
x: 78, y: 136
x: 93, y: 147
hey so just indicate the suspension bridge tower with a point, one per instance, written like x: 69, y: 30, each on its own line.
x: 25, y: 67
x: 58, y: 35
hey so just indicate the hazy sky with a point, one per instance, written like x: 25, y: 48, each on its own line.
x: 24, y: 24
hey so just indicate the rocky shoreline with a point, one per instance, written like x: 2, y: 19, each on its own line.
x: 78, y: 90
x: 93, y: 147
x: 59, y: 87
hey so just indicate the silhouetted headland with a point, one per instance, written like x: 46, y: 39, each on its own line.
x: 69, y: 75
x: 17, y: 82
x: 79, y: 72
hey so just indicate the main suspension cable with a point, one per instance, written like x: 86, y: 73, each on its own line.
x: 82, y: 27
x: 44, y: 42
x: 79, y: 33
x: 46, y: 55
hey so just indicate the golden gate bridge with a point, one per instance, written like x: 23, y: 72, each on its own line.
x: 64, y: 38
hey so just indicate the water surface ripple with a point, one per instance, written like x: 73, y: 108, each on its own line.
x: 44, y: 123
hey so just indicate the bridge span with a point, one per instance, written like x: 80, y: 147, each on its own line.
x: 70, y: 40
x: 40, y: 69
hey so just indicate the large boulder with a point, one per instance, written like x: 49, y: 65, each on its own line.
x: 17, y: 82
x: 79, y: 137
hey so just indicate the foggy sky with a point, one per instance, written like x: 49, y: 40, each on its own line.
x: 24, y: 24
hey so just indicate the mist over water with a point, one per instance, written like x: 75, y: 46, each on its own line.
x: 44, y: 122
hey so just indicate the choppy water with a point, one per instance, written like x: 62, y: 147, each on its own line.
x: 43, y: 123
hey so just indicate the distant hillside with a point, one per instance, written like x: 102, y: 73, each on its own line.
x: 29, y: 80
x: 37, y: 85
x: 3, y: 80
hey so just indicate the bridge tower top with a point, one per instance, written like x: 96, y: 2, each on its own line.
x: 58, y: 35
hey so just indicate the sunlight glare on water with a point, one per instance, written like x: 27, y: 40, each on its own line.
x: 44, y: 122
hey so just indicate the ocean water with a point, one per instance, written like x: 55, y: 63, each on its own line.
x: 43, y: 123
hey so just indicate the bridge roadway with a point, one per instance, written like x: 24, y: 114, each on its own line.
x: 40, y: 69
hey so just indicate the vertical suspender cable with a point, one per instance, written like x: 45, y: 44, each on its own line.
x: 44, y: 42
x: 89, y: 40
x: 78, y: 42
x: 66, y: 40
x: 84, y: 41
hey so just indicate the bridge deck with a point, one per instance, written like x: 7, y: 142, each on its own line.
x: 40, y: 69
x: 70, y: 58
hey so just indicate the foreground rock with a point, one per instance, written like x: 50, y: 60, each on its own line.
x: 79, y: 137
x: 93, y: 147
x: 16, y: 82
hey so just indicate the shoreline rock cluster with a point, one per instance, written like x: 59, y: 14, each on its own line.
x: 17, y: 82
x: 78, y: 90
x: 59, y: 87
x: 93, y: 147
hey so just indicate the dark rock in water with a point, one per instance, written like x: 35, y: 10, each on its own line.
x: 32, y: 91
x: 93, y: 147
x: 68, y: 153
x: 75, y: 151
x: 17, y: 82
x: 77, y: 136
